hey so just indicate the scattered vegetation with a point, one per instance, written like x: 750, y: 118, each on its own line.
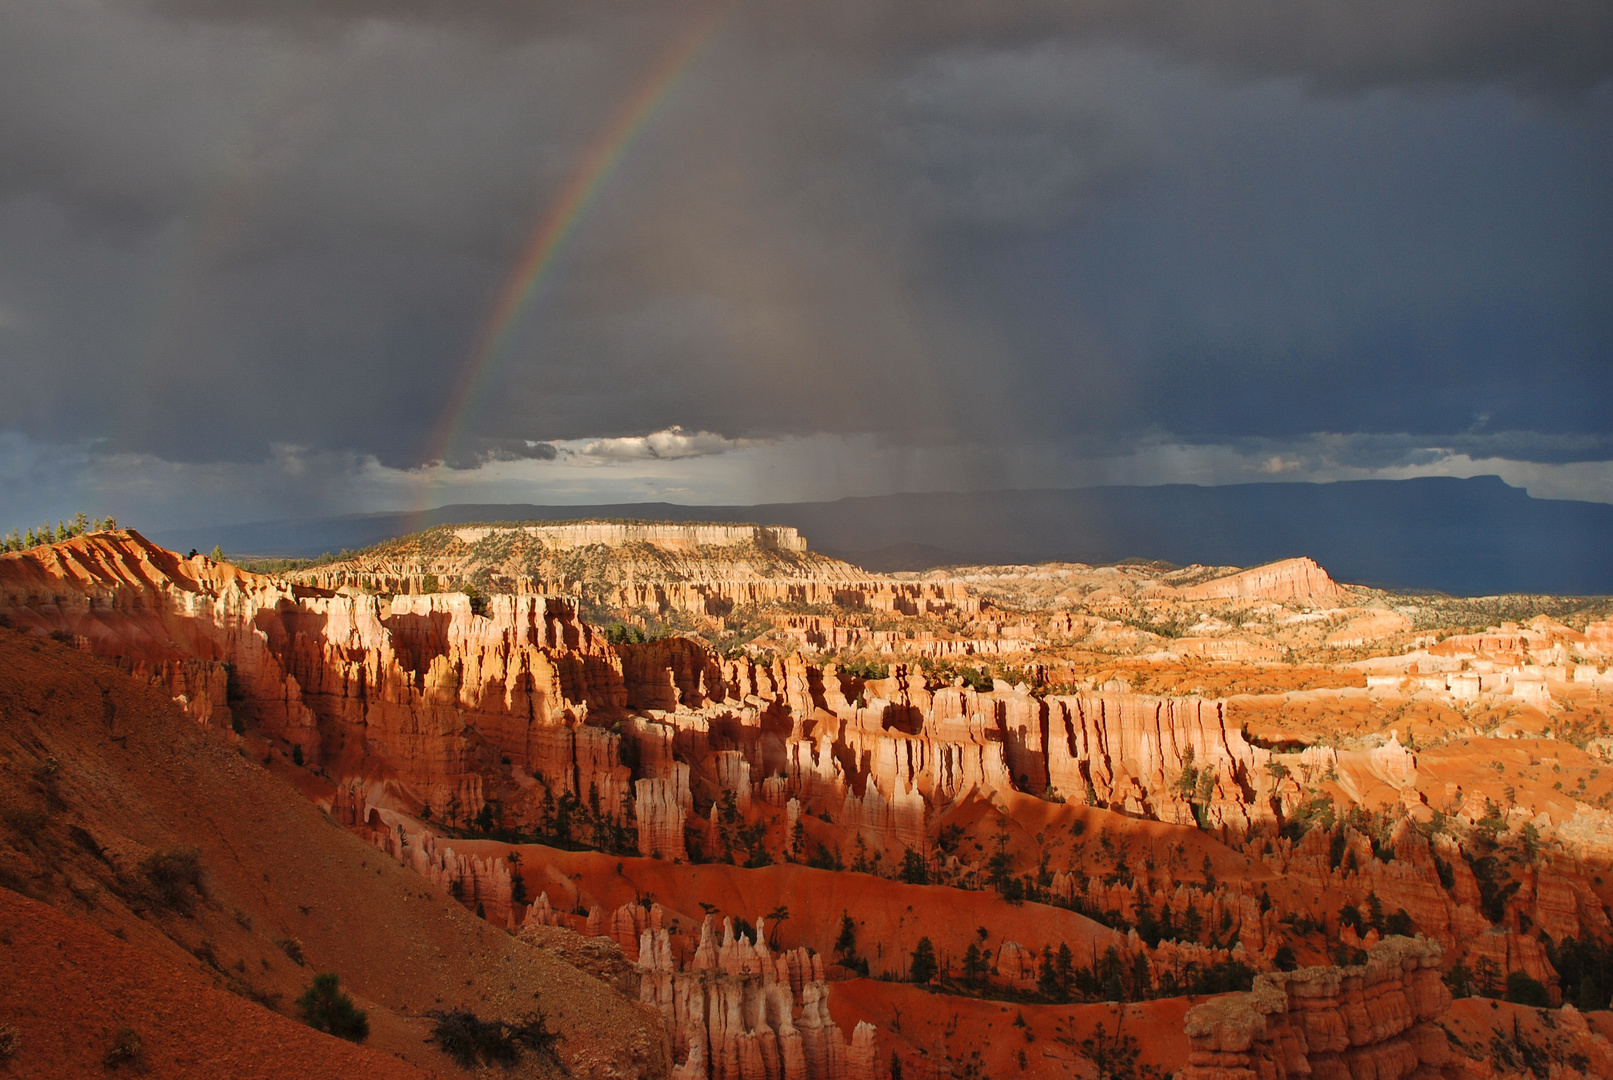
x: 923, y: 967
x: 64, y: 530
x: 845, y: 946
x: 175, y: 878
x: 1584, y: 971
x: 467, y: 1038
x: 126, y: 1049
x: 324, y: 1006
x: 1115, y: 1056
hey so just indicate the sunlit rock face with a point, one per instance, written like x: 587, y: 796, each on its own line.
x: 1195, y: 770
x: 1372, y: 1019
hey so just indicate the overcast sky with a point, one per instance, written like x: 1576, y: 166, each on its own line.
x: 247, y: 248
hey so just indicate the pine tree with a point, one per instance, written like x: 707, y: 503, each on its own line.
x: 845, y: 947
x: 923, y: 967
x: 974, y: 965
x: 1113, y: 988
x: 914, y: 870
x: 517, y: 885
x: 1590, y: 997
x: 1047, y: 981
x: 1066, y: 969
x: 1142, y: 982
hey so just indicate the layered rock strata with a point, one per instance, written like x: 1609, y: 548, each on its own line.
x: 1370, y: 1020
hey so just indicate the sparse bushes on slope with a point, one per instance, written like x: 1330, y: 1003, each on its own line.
x: 172, y: 876
x: 467, y: 1038
x: 292, y: 947
x: 64, y: 530
x: 324, y: 1007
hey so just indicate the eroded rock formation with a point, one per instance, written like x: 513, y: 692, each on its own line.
x: 1241, y: 806
x: 1368, y: 1020
x: 744, y: 1014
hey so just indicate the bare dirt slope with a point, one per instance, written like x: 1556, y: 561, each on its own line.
x: 99, y: 772
x: 71, y: 989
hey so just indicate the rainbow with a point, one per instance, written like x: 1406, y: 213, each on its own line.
x: 542, y: 250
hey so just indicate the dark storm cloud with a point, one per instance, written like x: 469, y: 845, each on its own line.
x: 478, y: 452
x: 230, y: 226
x: 1556, y: 44
x: 1373, y: 451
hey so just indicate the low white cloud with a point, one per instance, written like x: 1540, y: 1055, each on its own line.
x: 670, y: 444
x: 53, y: 481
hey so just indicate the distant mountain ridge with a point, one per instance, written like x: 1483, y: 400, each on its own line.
x: 1469, y: 537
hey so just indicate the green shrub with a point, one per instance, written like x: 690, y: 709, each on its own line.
x: 324, y: 1007
x: 172, y: 875
x: 1523, y: 990
x: 467, y: 1038
x: 914, y: 870
x: 126, y: 1049
x: 293, y: 949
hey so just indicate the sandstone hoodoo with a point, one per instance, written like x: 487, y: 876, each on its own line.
x: 790, y: 812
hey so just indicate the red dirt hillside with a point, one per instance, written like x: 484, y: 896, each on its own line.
x: 98, y: 771
x: 70, y: 987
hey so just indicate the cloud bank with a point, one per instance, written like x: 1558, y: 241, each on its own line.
x: 247, y: 249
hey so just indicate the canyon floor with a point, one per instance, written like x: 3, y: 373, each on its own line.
x: 717, y: 806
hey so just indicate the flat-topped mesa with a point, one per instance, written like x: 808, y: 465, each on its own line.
x: 628, y: 568
x: 670, y: 535
x: 1290, y: 579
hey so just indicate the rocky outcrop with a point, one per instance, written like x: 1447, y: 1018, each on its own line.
x: 423, y: 697
x: 744, y: 1014
x: 482, y: 885
x: 439, y: 702
x: 1374, y: 1019
x: 662, y: 534
x: 1130, y: 752
x: 1290, y: 579
x: 661, y: 806
x: 434, y: 707
x: 707, y: 571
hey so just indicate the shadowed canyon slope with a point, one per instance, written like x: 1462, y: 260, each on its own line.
x: 792, y: 819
